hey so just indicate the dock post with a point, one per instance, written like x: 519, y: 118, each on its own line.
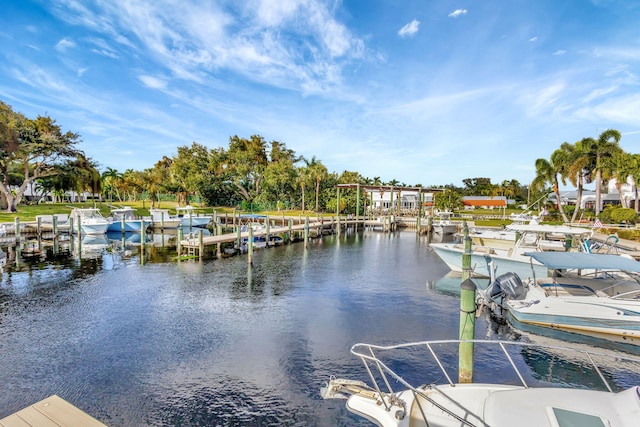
x: 357, y: 205
x: 429, y: 227
x: 250, y: 246
x: 39, y: 225
x: 338, y: 208
x: 55, y: 226
x: 79, y: 228
x: 122, y: 226
x: 239, y: 238
x: 418, y: 221
x: 179, y: 242
x: 16, y: 227
x: 71, y: 226
x: 267, y: 229
x: 306, y: 233
x: 143, y: 238
x: 162, y: 220
x: 467, y: 313
x: 201, y: 244
x: 290, y: 234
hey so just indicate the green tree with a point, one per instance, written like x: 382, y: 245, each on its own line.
x: 547, y: 173
x: 601, y: 153
x: 30, y: 150
x: 317, y: 173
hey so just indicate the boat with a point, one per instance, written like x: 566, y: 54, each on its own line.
x: 584, y: 293
x: 162, y: 219
x: 487, y: 261
x: 185, y: 217
x: 443, y: 225
x: 90, y: 219
x: 190, y: 219
x: 514, y: 397
x: 124, y: 220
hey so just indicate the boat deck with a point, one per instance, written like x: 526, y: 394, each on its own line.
x: 51, y: 412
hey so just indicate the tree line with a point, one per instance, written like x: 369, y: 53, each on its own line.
x: 256, y: 174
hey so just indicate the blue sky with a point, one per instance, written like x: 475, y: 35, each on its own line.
x: 422, y: 91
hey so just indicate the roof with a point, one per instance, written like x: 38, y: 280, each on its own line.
x: 484, y: 202
x: 583, y: 260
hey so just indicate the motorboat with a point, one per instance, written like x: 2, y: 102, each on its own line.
x: 124, y: 220
x: 189, y: 218
x: 162, y: 219
x: 90, y: 219
x: 487, y: 261
x: 509, y: 395
x: 185, y: 217
x: 443, y: 224
x: 584, y: 293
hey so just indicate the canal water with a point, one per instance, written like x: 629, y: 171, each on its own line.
x: 215, y: 343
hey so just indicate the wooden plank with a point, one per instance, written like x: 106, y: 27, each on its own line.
x: 51, y: 412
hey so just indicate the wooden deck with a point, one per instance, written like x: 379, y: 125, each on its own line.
x: 51, y: 412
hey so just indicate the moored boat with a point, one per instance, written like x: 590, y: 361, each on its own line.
x: 518, y: 401
x: 90, y: 219
x: 124, y: 220
x: 584, y: 293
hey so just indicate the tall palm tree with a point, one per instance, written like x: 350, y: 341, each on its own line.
x: 626, y: 166
x: 302, y: 178
x: 601, y: 153
x: 578, y: 159
x: 317, y: 172
x: 547, y: 173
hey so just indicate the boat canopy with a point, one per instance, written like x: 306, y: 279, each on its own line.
x: 583, y: 260
x: 543, y: 228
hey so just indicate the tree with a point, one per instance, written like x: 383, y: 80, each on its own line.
x: 247, y: 159
x: 31, y: 150
x: 317, y: 172
x: 547, y: 173
x: 601, y: 153
x: 188, y: 168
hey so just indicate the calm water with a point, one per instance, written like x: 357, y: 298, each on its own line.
x: 214, y: 342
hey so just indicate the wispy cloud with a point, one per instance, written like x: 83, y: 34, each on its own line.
x: 559, y: 52
x: 410, y: 29
x: 65, y: 44
x: 153, y: 82
x: 458, y: 12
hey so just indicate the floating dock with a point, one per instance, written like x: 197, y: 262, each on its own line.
x: 51, y: 412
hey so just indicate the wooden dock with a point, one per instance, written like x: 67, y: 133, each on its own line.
x: 51, y: 412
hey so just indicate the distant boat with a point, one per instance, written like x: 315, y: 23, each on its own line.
x: 185, y: 217
x: 124, y: 220
x: 443, y: 225
x: 90, y: 219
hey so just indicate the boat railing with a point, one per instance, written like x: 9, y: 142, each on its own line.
x: 368, y: 354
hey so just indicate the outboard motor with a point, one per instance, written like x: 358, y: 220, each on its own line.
x: 508, y: 286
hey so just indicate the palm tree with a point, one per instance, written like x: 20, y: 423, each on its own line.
x: 317, y: 173
x: 626, y: 166
x: 578, y: 159
x: 601, y: 153
x: 547, y: 172
x: 302, y: 178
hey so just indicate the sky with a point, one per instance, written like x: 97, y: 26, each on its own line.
x: 423, y: 92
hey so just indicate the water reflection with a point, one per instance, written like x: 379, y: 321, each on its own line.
x: 216, y: 342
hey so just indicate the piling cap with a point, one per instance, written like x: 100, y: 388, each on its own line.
x: 468, y: 285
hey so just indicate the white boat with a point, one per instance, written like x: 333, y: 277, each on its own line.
x: 161, y: 219
x: 443, y: 225
x: 124, y: 220
x: 190, y: 219
x: 538, y: 238
x: 91, y: 221
x: 185, y: 218
x: 585, y: 293
x: 441, y: 402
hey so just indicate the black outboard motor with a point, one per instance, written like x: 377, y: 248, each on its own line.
x: 508, y: 286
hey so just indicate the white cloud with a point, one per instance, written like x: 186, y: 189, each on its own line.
x: 153, y: 82
x: 533, y: 39
x: 410, y: 29
x: 65, y: 44
x: 559, y: 52
x: 458, y: 12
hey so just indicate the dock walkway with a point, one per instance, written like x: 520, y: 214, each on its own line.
x: 51, y: 412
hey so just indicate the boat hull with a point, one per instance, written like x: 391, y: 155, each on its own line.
x: 134, y: 226
x: 451, y: 254
x: 195, y: 221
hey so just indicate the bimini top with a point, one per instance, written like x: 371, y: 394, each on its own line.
x: 583, y: 260
x: 544, y: 228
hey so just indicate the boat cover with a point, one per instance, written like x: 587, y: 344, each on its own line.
x: 583, y: 260
x: 544, y: 228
